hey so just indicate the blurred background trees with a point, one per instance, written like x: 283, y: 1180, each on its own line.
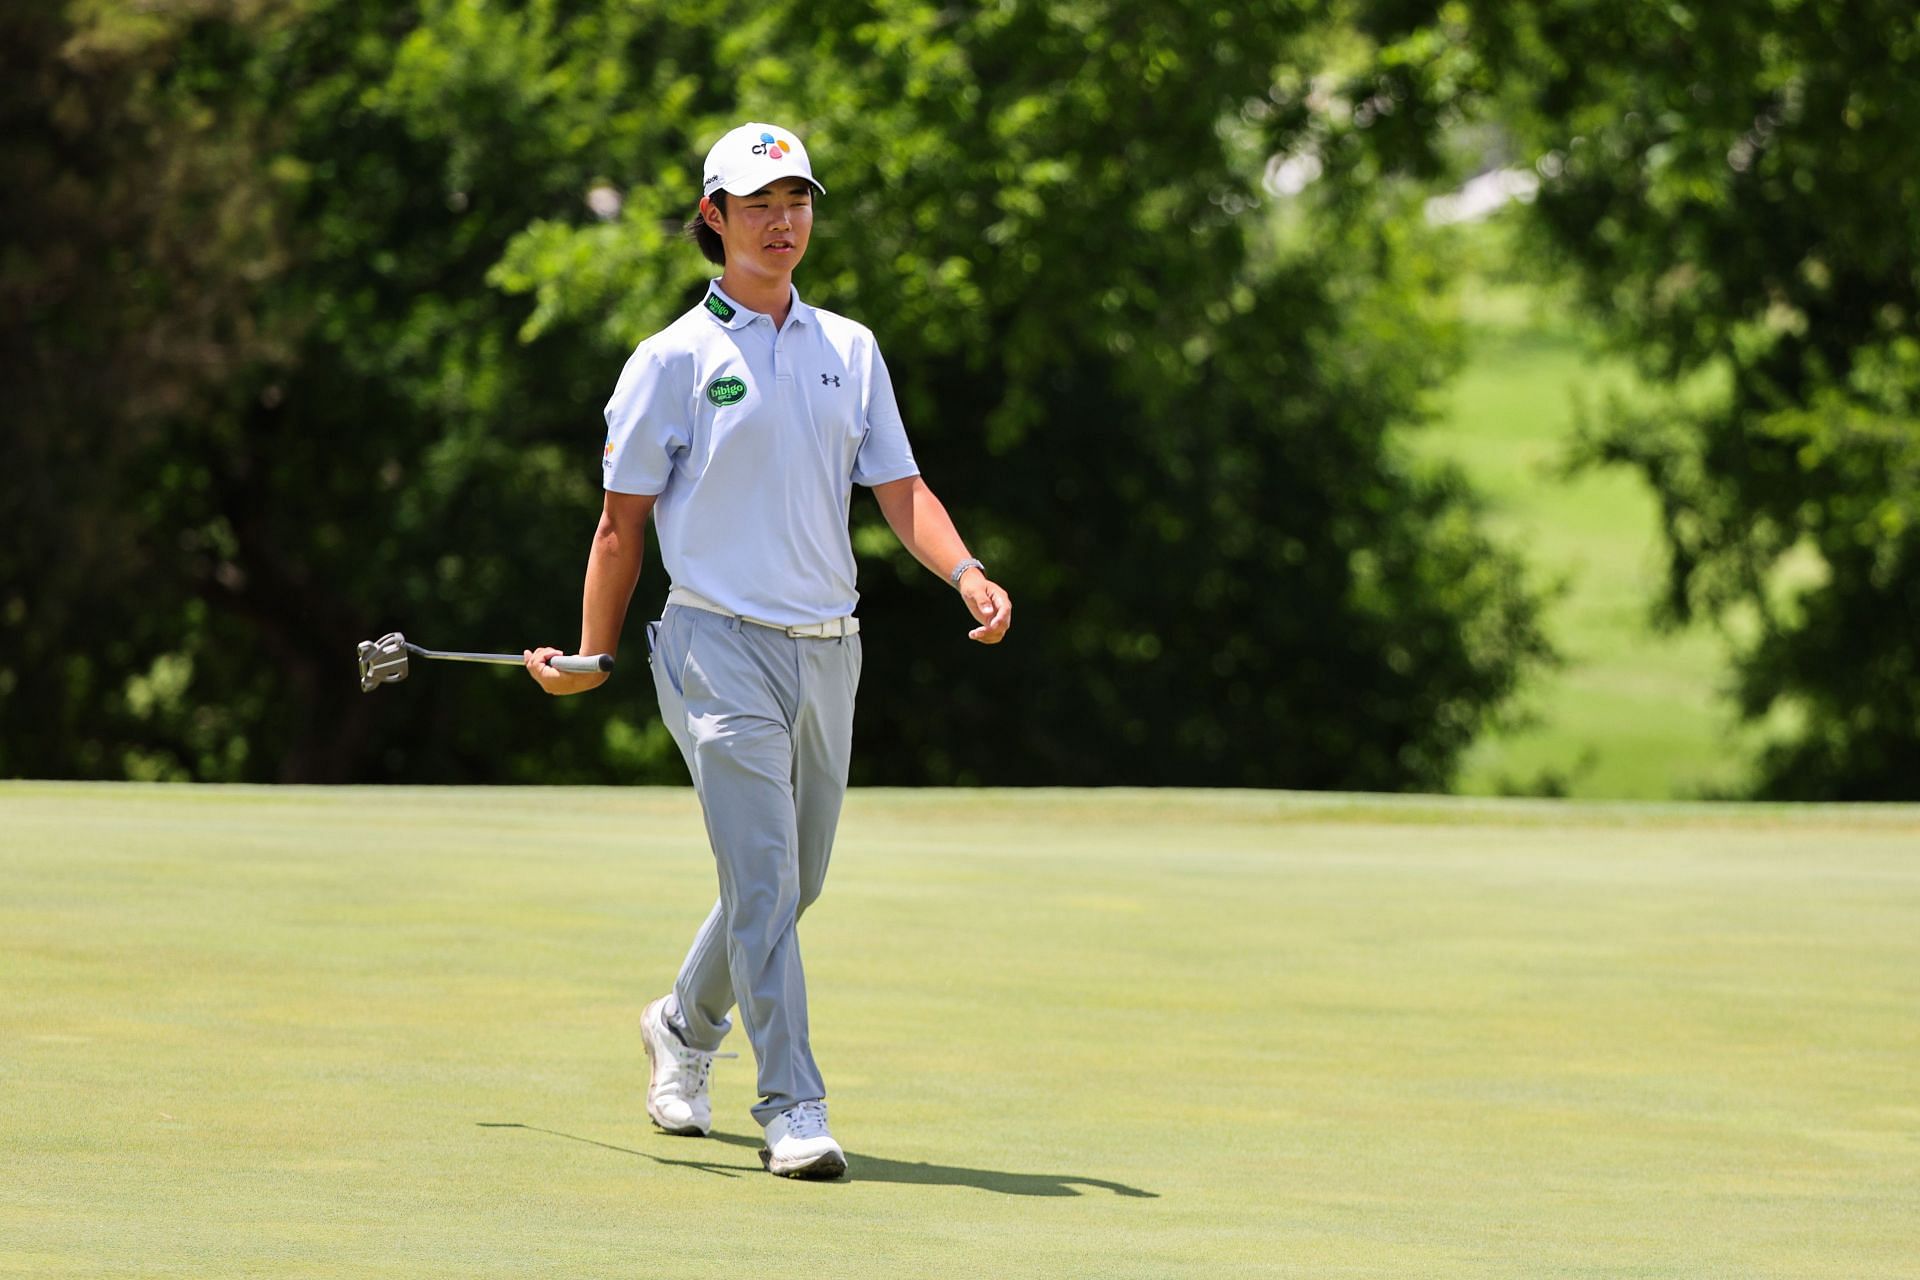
x: 310, y: 309
x: 1733, y: 189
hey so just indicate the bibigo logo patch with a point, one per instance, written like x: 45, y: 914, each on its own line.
x: 771, y: 147
x: 726, y: 391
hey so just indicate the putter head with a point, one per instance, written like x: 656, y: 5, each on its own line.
x: 382, y: 661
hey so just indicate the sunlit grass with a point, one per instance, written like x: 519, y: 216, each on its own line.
x: 391, y: 1033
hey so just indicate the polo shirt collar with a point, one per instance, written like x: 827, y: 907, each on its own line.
x: 735, y: 316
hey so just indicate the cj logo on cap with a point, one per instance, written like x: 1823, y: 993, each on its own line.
x: 771, y: 147
x: 726, y: 391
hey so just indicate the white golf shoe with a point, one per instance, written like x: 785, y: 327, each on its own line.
x: 677, y: 1094
x: 799, y: 1146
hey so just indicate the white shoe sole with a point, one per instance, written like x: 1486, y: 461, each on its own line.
x: 679, y: 1131
x: 688, y: 1130
x: 828, y: 1164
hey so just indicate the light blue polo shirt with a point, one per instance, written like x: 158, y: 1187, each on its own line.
x: 753, y: 438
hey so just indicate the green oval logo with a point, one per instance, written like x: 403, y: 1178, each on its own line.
x: 726, y: 391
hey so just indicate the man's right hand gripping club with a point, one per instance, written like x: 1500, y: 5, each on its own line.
x: 555, y: 682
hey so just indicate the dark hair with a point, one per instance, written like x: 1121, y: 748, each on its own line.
x: 705, y: 236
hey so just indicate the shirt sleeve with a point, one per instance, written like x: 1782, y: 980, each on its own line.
x: 884, y: 453
x: 648, y: 426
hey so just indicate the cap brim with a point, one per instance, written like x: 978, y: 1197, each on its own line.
x: 747, y: 184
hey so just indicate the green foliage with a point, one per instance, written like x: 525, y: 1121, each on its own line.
x: 1732, y: 186
x: 1163, y: 409
x: 346, y: 432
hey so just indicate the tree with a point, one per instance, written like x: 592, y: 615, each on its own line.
x: 346, y: 432
x: 1732, y: 188
x: 1165, y: 410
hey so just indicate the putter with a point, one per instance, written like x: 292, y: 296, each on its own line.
x: 384, y: 661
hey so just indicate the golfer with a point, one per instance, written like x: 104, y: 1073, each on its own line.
x: 741, y: 429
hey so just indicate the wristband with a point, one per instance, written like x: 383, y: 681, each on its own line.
x: 960, y: 571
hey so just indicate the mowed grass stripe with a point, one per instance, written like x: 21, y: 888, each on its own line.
x: 265, y: 1031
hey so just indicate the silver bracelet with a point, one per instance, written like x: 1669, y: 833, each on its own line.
x: 960, y: 571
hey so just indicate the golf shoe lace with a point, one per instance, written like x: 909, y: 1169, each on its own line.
x: 807, y: 1120
x: 696, y: 1065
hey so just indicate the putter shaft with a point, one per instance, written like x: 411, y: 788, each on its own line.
x: 567, y: 662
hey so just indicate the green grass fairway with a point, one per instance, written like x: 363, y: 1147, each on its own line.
x: 369, y: 1033
x: 1635, y: 712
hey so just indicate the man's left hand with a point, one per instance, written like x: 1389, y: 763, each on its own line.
x: 989, y: 605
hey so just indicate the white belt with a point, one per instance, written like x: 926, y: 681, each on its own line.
x: 831, y: 629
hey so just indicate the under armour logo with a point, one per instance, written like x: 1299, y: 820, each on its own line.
x: 826, y: 378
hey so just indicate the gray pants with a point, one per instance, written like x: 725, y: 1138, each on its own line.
x: 765, y: 722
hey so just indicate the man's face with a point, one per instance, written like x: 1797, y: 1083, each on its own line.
x: 766, y: 232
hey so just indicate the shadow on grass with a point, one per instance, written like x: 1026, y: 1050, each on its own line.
x: 865, y: 1168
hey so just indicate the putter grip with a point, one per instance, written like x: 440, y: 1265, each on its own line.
x: 582, y: 664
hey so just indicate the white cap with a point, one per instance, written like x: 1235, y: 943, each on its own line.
x: 753, y: 156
